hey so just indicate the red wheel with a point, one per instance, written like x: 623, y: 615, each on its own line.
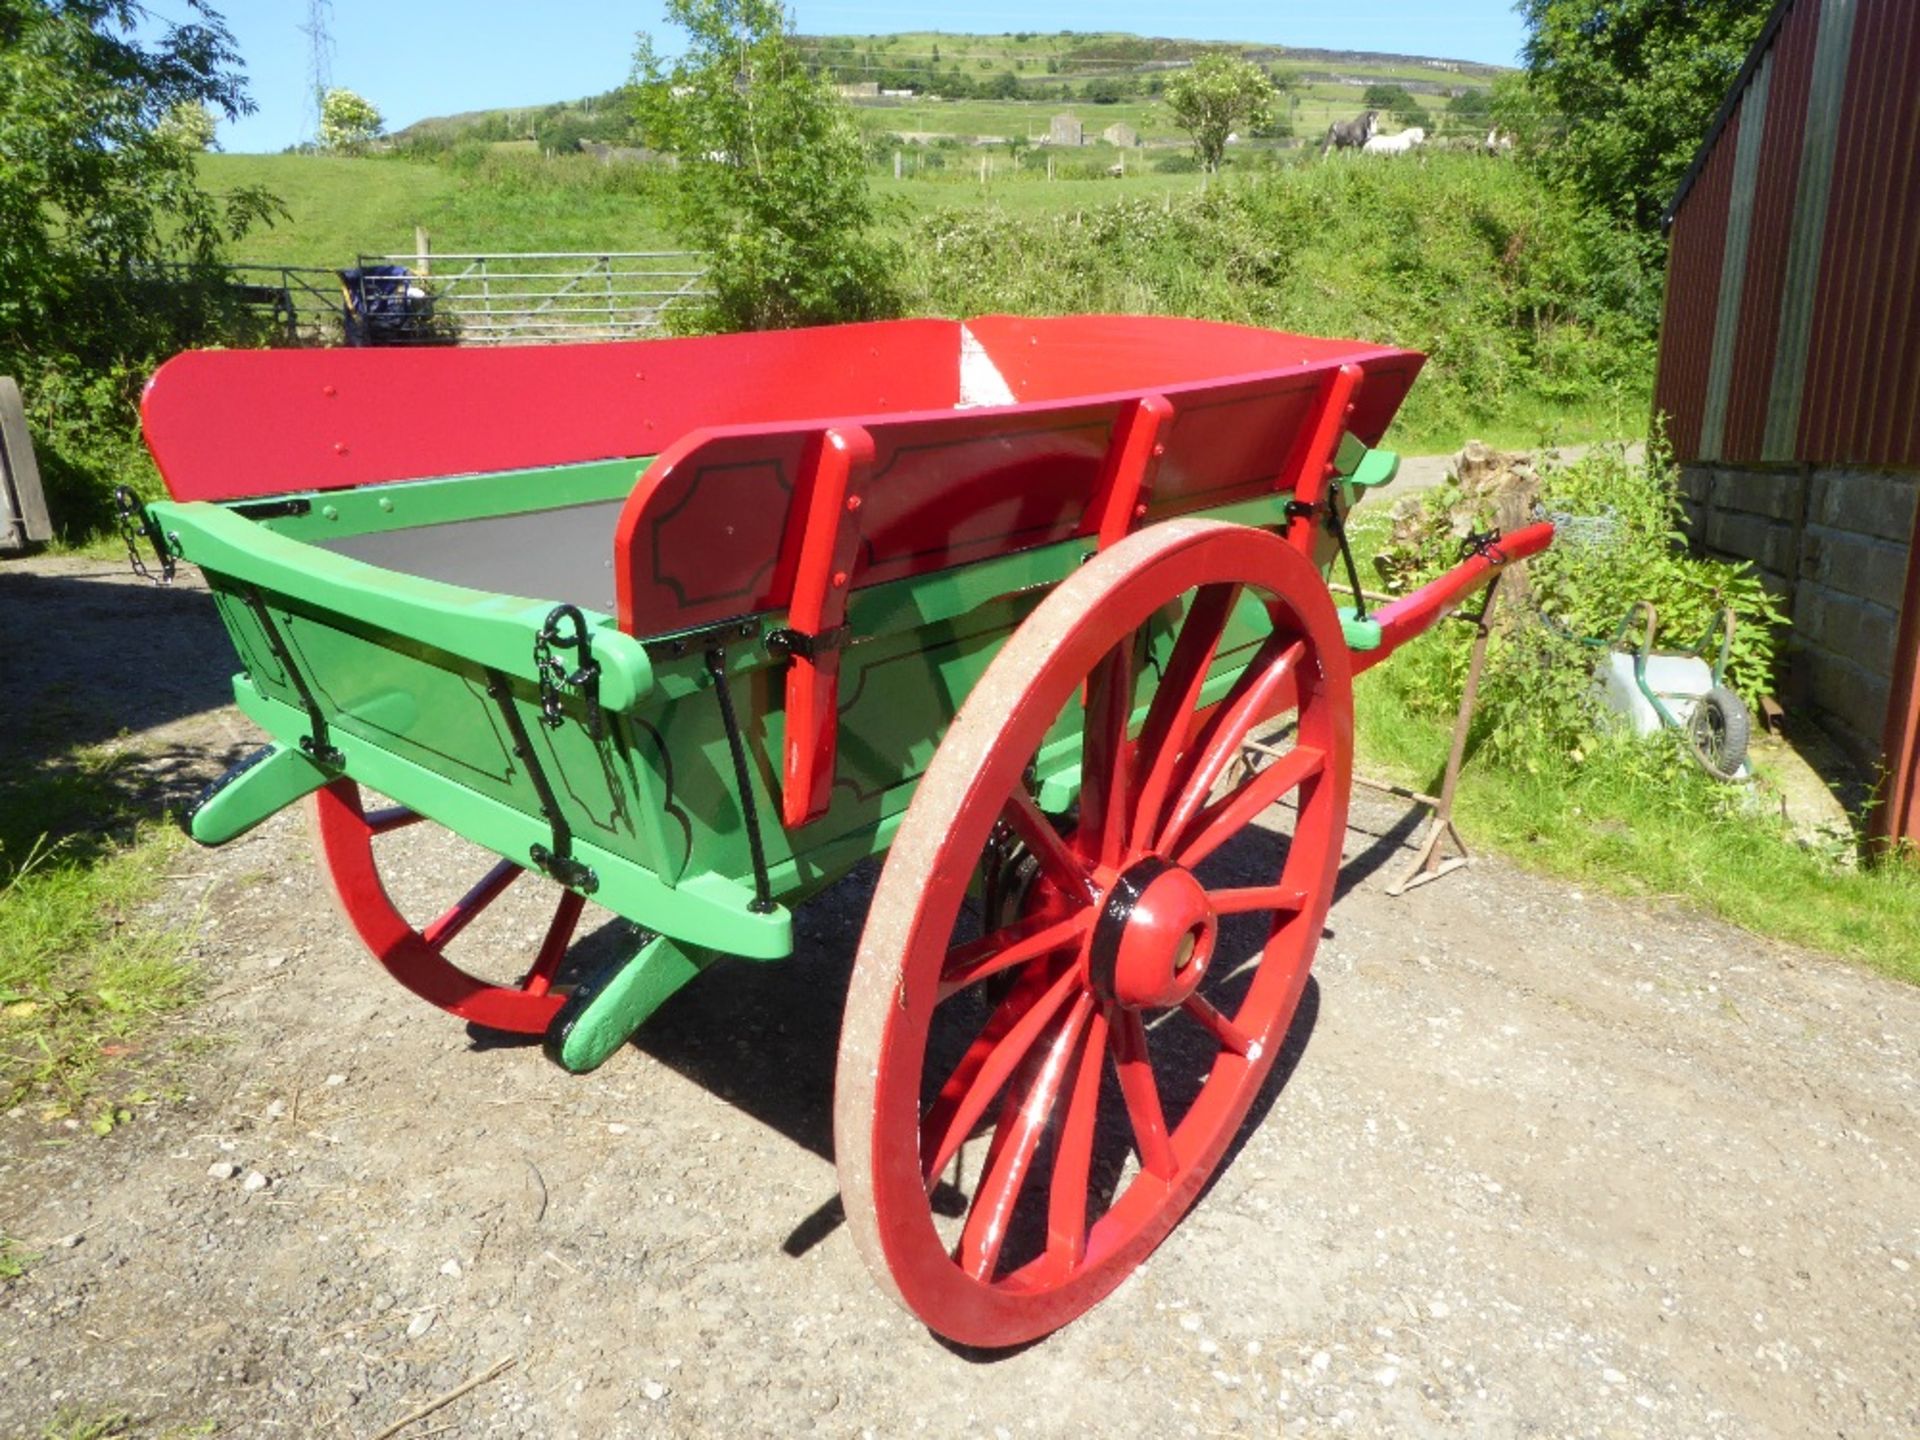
x: 345, y: 832
x: 1107, y: 1044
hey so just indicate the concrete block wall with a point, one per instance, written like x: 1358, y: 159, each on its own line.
x: 1833, y: 544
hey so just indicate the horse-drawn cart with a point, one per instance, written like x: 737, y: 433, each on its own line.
x: 687, y: 629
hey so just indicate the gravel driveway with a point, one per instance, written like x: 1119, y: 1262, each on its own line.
x: 1537, y: 1163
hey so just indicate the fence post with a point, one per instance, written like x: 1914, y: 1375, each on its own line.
x: 896, y: 164
x: 422, y: 251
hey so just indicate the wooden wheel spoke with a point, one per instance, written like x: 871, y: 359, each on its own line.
x: 1012, y: 945
x: 464, y: 911
x: 391, y: 818
x: 1230, y: 1035
x: 1071, y: 1177
x: 566, y: 919
x: 1073, y: 1153
x: 1127, y: 1041
x: 1175, y: 703
x: 1290, y: 899
x: 1106, y: 759
x: 1024, y: 1120
x: 1057, y: 860
x: 1256, y: 696
x: 1010, y: 1035
x: 1227, y: 816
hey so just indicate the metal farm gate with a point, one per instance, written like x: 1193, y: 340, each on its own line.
x: 536, y: 296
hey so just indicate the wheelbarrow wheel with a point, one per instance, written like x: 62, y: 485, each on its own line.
x: 1104, y: 1048
x: 416, y: 955
x: 1718, y: 733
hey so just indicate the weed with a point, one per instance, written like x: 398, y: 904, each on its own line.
x: 1606, y: 808
x: 14, y: 1259
x: 72, y: 1424
x: 82, y: 972
x: 1537, y: 706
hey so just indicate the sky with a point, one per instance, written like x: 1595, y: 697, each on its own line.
x: 439, y: 57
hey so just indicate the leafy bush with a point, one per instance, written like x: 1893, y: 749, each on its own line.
x: 109, y: 245
x: 771, y: 182
x: 1537, y: 708
x: 1518, y: 304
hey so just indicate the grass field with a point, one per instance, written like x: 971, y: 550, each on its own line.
x: 342, y: 207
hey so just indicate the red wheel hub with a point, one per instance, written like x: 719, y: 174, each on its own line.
x: 1154, y: 939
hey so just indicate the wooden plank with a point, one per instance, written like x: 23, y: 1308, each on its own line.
x: 24, y: 522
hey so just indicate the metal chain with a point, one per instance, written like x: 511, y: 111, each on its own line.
x: 135, y: 527
x: 553, y: 675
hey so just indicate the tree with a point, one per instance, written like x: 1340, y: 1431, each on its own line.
x: 1471, y: 107
x: 771, y: 180
x: 191, y: 124
x: 109, y: 246
x: 1618, y: 94
x: 99, y: 191
x: 1216, y: 96
x: 347, y: 121
x: 1397, y: 101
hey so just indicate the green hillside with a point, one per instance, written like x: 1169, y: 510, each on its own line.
x: 975, y: 88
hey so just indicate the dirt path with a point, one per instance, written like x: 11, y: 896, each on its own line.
x: 1546, y: 1165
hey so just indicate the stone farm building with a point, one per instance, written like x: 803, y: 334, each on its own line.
x: 1790, y: 362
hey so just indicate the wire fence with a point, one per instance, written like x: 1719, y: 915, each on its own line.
x: 535, y: 296
x: 452, y: 299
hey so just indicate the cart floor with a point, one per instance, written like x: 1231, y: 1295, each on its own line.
x: 562, y: 554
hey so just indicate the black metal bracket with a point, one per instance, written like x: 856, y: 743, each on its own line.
x: 743, y: 777
x: 1337, y: 525
x: 785, y: 643
x: 136, y: 524
x: 554, y: 676
x: 273, y: 509
x: 315, y: 742
x: 696, y: 642
x: 1484, y: 542
x: 557, y: 859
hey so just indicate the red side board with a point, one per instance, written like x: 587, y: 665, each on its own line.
x: 234, y: 424
x: 226, y: 424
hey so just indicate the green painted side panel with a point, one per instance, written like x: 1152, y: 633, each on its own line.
x: 399, y: 665
x: 492, y: 630
x: 707, y: 909
x: 259, y: 787
x: 626, y: 1002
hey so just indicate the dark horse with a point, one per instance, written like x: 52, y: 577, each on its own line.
x: 1351, y: 134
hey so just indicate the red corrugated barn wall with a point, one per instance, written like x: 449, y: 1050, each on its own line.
x: 1790, y: 354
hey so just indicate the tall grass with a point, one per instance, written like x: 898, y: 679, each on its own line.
x: 1522, y: 307
x: 82, y: 971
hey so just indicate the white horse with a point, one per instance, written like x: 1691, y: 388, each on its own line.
x: 1396, y: 144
